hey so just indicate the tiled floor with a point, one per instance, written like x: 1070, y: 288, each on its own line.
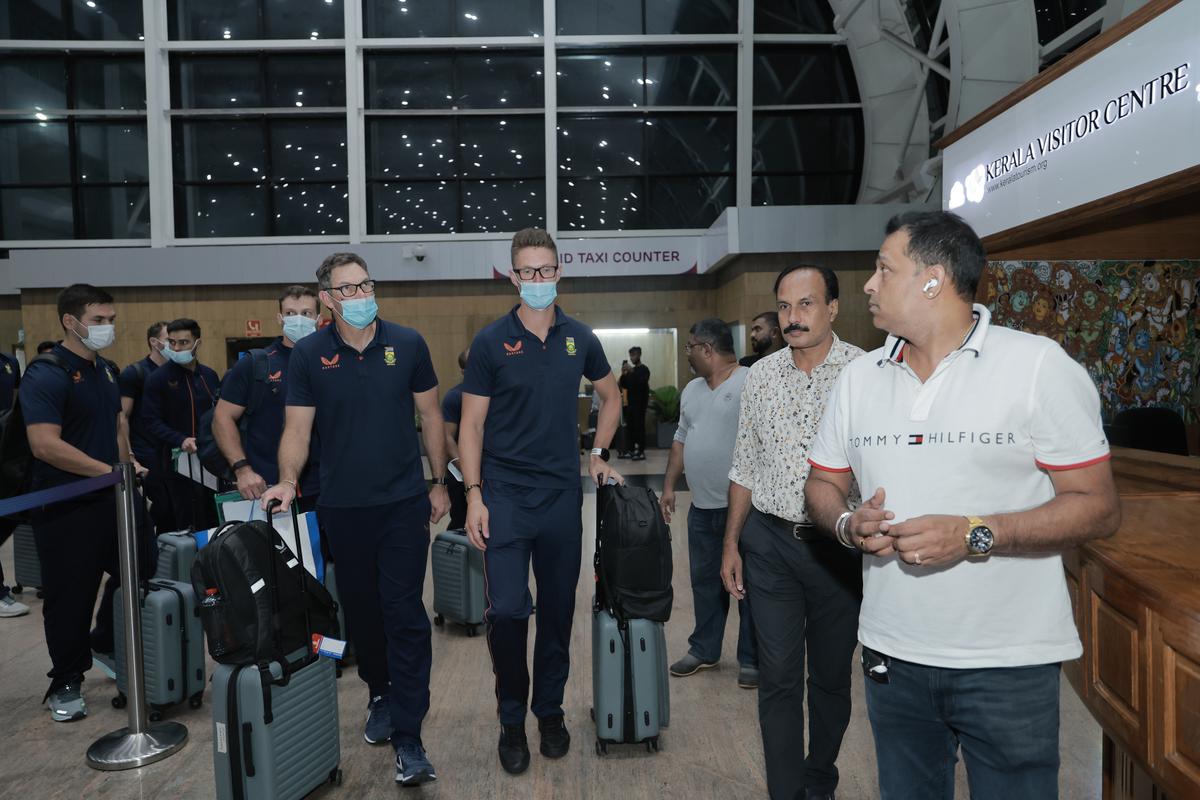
x: 711, y: 750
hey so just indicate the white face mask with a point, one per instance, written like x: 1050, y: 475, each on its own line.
x: 99, y: 336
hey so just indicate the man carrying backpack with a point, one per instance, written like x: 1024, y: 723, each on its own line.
x: 72, y: 412
x: 133, y: 383
x: 257, y: 405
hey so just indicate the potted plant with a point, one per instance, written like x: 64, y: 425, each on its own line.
x: 664, y: 404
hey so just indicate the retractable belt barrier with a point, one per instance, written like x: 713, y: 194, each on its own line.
x: 56, y: 494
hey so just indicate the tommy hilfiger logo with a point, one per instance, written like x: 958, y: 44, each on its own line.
x: 513, y: 349
x: 932, y: 438
x: 330, y: 363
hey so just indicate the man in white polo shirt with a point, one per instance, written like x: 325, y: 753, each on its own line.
x: 984, y: 455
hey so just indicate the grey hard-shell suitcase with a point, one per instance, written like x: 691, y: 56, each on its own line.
x: 26, y: 564
x: 172, y: 646
x: 457, y: 581
x: 176, y: 552
x: 630, y: 689
x: 281, y: 755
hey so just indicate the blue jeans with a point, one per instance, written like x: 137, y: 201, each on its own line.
x: 706, y: 532
x: 1005, y: 719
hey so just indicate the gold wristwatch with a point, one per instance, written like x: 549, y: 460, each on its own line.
x: 979, y: 538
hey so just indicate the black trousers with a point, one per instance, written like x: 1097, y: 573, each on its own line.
x: 458, y: 504
x: 192, y: 504
x: 635, y: 419
x: 805, y: 595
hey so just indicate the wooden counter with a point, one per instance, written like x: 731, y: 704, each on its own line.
x: 1137, y: 607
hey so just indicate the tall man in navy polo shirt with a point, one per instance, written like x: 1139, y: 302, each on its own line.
x: 145, y: 451
x: 173, y: 401
x: 451, y: 416
x: 519, y: 449
x: 359, y: 380
x: 72, y: 412
x: 254, y: 459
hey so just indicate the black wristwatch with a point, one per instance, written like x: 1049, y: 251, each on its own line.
x: 438, y: 481
x: 235, y: 466
x: 602, y: 452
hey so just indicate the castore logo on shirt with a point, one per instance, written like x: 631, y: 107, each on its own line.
x: 330, y: 363
x: 513, y: 349
x: 275, y: 377
x: 77, y: 377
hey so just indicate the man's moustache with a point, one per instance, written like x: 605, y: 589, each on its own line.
x: 796, y: 329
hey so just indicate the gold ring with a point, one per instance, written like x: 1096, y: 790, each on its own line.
x: 917, y: 559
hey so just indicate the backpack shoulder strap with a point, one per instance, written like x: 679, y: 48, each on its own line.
x: 52, y: 359
x: 258, y: 389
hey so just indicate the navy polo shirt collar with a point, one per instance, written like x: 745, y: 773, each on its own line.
x: 380, y: 336
x: 517, y: 329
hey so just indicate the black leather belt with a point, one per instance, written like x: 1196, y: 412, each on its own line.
x: 803, y: 531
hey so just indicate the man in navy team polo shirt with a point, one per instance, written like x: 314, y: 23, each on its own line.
x: 173, y: 401
x: 254, y: 459
x: 10, y: 379
x: 451, y: 415
x: 360, y: 380
x: 72, y: 411
x: 519, y: 437
x: 145, y: 452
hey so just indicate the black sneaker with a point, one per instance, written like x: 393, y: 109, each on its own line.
x: 555, y: 739
x: 638, y: 455
x: 513, y: 749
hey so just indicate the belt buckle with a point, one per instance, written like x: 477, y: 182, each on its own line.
x: 800, y: 531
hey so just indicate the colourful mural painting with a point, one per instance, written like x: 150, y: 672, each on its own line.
x: 1135, y: 325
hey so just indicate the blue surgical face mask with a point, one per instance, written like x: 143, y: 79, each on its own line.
x: 180, y: 357
x: 297, y: 326
x: 539, y: 295
x: 359, y: 312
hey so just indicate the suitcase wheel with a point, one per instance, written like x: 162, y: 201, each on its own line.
x: 592, y: 714
x: 472, y: 630
x: 196, y: 700
x: 652, y: 744
x: 119, y: 701
x: 17, y: 589
x: 40, y: 594
x: 439, y: 620
x: 601, y: 748
x: 154, y: 715
x: 335, y: 776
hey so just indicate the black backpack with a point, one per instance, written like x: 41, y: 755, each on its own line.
x: 633, y: 554
x: 210, y: 455
x: 16, y: 459
x: 258, y: 603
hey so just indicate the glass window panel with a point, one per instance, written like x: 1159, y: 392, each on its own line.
x: 798, y: 74
x: 314, y: 80
x: 216, y: 82
x: 691, y: 16
x: 219, y: 151
x: 401, y: 148
x: 115, y: 212
x: 36, y: 214
x: 308, y: 149
x: 304, y: 209
x: 111, y: 152
x: 115, y: 83
x: 600, y: 79
x: 692, y: 78
x: 34, y: 152
x: 221, y: 211
x: 502, y: 148
x: 502, y: 205
x: 600, y: 145
x: 688, y: 202
x: 33, y: 82
x: 418, y: 207
x: 106, y: 19
x: 1054, y: 17
x: 682, y: 144
x: 410, y: 80
x: 425, y: 18
x: 797, y: 190
x: 500, y: 80
x: 792, y: 16
x: 302, y: 19
x: 601, y: 203
x: 805, y: 141
x: 32, y: 19
x: 590, y: 17
x: 213, y: 19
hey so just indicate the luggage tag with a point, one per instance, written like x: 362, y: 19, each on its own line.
x: 328, y: 646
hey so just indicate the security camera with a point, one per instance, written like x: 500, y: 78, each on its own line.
x: 419, y: 252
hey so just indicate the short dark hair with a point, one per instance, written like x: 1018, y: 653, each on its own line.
x: 297, y: 290
x: 184, y: 324
x: 715, y: 333
x: 46, y: 346
x: 827, y: 275
x: 462, y: 359
x: 770, y: 316
x: 940, y: 237
x: 635, y: 349
x: 75, y: 299
x: 333, y: 262
x: 152, y: 331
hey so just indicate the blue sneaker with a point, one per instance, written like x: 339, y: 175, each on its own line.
x: 412, y: 766
x: 379, y: 720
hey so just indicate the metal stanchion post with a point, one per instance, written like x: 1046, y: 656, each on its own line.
x: 140, y: 743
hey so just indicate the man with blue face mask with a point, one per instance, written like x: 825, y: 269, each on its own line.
x: 519, y: 449
x: 253, y: 458
x: 175, y: 397
x: 361, y: 380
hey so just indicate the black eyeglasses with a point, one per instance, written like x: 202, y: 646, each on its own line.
x: 351, y: 289
x: 687, y: 348
x: 527, y: 273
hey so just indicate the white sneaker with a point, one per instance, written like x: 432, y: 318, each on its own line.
x: 11, y: 607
